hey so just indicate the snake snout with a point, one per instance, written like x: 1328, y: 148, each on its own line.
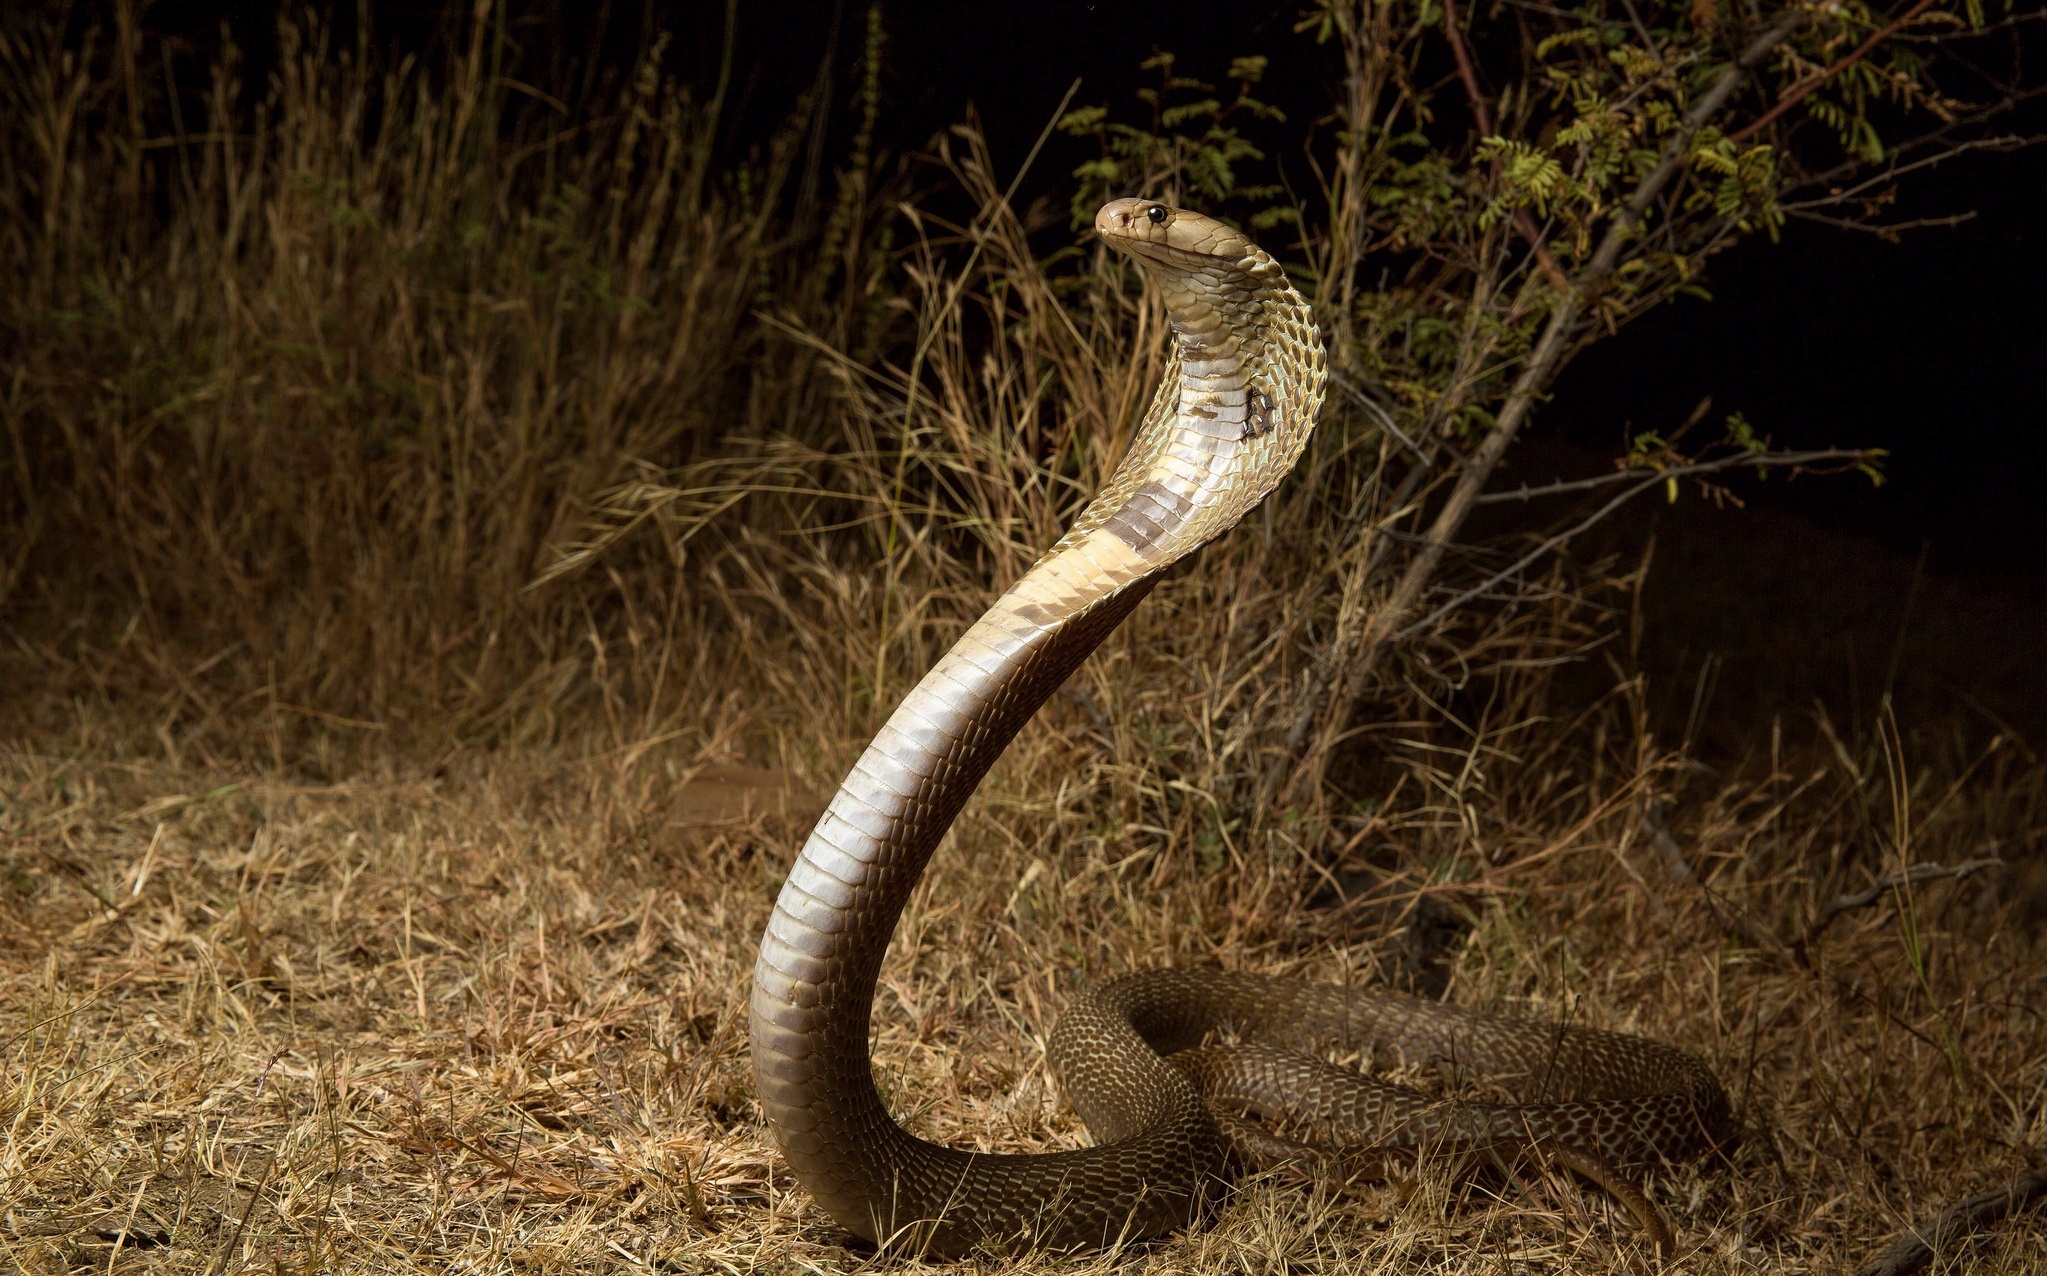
x: 1132, y: 217
x: 1173, y: 238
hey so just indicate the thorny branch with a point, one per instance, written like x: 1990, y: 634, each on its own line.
x: 1484, y: 117
x: 1654, y: 478
x: 1888, y: 230
x: 1635, y: 237
x: 1804, y: 88
x: 1350, y: 664
x: 1889, y: 882
x: 1755, y: 460
x: 1915, y: 1250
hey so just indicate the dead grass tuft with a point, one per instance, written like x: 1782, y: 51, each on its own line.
x: 493, y: 1019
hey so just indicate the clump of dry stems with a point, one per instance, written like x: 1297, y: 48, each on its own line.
x: 452, y: 553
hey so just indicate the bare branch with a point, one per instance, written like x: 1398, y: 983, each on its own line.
x: 1648, y: 41
x: 1887, y: 230
x: 1513, y: 569
x: 1377, y: 411
x: 1522, y: 221
x: 1543, y: 361
x: 1756, y: 460
x: 1914, y: 1251
x: 1594, y: 19
x: 2003, y: 142
x: 1804, y: 88
x: 2005, y: 23
x: 1890, y: 882
x: 1654, y: 478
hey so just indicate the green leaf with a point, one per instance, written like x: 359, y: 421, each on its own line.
x: 1083, y: 120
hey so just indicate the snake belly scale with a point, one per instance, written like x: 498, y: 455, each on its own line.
x: 1230, y: 418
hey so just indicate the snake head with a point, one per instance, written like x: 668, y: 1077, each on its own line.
x: 1175, y: 238
x: 1239, y: 399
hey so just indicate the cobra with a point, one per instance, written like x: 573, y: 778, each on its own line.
x: 1136, y: 1057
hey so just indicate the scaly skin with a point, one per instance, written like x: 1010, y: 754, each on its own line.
x: 1231, y: 417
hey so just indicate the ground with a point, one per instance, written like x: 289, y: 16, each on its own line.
x: 488, y: 1014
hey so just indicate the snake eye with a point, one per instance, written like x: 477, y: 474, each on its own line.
x: 1157, y: 213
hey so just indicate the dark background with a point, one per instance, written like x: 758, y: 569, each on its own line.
x: 1934, y: 347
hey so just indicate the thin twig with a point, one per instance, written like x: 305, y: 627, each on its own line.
x: 1804, y: 88
x: 1512, y: 569
x: 1738, y: 921
x: 1378, y: 413
x: 1975, y: 33
x: 1887, y: 230
x: 1760, y: 460
x: 1483, y: 114
x: 1543, y: 360
x: 1559, y: 540
x: 1465, y: 71
x: 1894, y: 170
x: 1939, y: 142
x: 1648, y: 41
x: 1891, y: 881
x: 1732, y: 917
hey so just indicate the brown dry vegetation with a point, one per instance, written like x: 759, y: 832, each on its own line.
x: 434, y: 603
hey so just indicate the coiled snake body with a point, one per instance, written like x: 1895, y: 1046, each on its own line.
x: 1228, y: 421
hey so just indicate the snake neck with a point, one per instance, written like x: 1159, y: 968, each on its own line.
x: 1231, y: 416
x: 1207, y: 451
x: 822, y: 951
x: 821, y: 954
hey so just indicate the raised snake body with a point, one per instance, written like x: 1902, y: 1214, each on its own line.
x: 1230, y: 418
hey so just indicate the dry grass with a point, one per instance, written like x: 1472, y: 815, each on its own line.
x: 435, y: 603
x: 493, y: 1019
